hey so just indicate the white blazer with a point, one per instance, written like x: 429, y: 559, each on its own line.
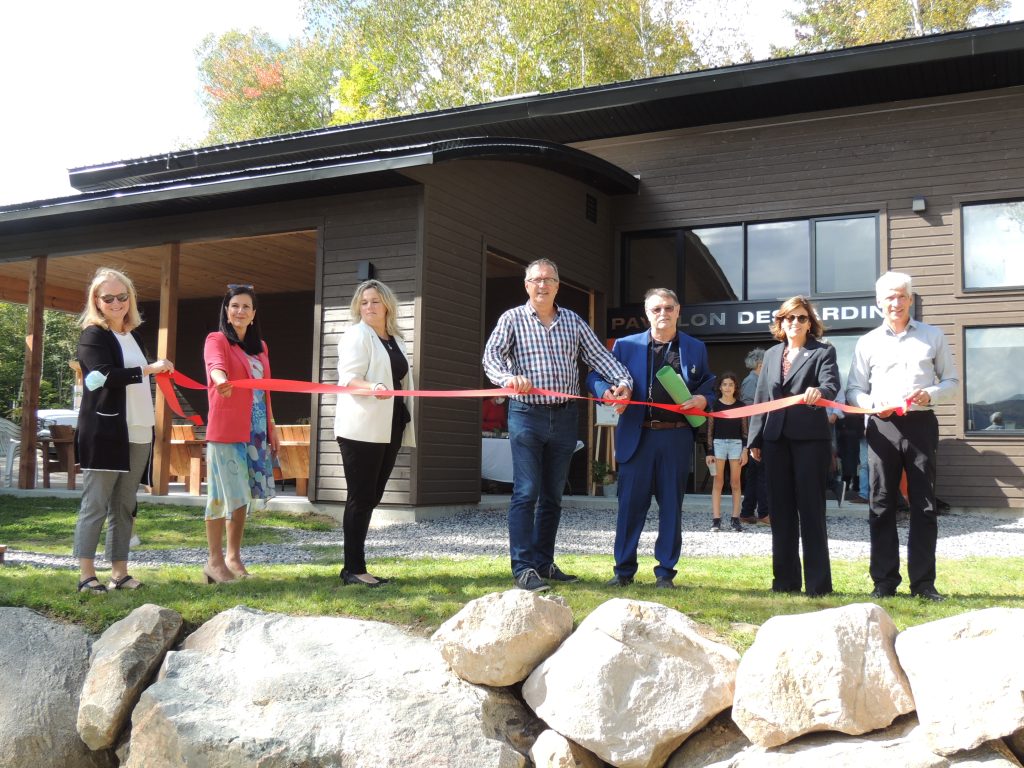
x: 361, y: 354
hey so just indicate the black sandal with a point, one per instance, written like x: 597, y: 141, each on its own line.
x: 125, y: 582
x: 96, y: 588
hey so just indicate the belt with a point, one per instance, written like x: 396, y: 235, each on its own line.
x: 664, y: 424
x: 551, y: 406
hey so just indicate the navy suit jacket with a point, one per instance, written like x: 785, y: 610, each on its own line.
x: 815, y: 366
x: 632, y: 352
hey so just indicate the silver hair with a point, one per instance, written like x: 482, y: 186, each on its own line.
x: 542, y: 263
x: 892, y: 280
x: 754, y: 358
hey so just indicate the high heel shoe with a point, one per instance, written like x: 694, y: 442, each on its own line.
x: 351, y: 578
x: 212, y: 579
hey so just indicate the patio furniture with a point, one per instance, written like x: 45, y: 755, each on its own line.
x: 187, y: 457
x: 293, y: 455
x: 62, y: 458
x: 10, y: 446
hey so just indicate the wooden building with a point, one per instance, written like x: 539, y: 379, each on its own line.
x: 737, y: 186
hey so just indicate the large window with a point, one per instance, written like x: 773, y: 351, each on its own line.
x: 993, y: 245
x: 993, y: 359
x: 765, y: 260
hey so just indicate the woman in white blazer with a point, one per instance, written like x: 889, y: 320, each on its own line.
x: 370, y: 430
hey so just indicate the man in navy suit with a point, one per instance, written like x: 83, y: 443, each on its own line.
x: 654, y: 447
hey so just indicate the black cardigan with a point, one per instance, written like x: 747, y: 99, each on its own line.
x: 102, y: 436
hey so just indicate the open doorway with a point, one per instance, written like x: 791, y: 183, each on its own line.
x: 503, y: 289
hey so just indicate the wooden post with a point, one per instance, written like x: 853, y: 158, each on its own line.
x: 166, y: 346
x: 33, y: 373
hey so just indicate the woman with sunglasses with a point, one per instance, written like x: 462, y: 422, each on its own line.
x: 240, y: 435
x: 115, y: 426
x: 795, y: 445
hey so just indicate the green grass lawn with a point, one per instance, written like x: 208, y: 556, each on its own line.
x: 729, y: 595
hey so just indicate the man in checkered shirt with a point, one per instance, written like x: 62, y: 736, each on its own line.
x: 539, y: 345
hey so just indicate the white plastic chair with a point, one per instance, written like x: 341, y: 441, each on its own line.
x: 10, y: 446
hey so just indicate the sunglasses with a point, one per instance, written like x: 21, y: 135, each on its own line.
x: 666, y: 309
x: 237, y: 286
x: 108, y: 298
x: 796, y: 318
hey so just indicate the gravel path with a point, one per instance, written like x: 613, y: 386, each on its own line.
x: 588, y: 531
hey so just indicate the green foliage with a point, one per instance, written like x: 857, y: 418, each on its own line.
x: 369, y: 59
x: 60, y: 342
x: 823, y: 25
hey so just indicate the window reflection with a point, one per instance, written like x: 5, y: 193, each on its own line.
x: 993, y: 245
x: 778, y: 257
x: 995, y: 393
x: 714, y: 265
x: 844, y: 255
x: 653, y: 263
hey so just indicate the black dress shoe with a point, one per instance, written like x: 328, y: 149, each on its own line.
x: 351, y: 578
x: 879, y: 592
x: 664, y: 582
x: 928, y: 593
x: 619, y: 581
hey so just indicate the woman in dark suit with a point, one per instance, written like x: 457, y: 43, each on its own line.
x: 795, y: 445
x: 115, y: 426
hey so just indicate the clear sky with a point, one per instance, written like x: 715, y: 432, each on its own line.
x: 86, y: 83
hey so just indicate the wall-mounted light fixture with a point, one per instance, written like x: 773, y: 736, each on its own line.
x: 919, y: 204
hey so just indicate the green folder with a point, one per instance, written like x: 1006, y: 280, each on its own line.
x: 678, y: 391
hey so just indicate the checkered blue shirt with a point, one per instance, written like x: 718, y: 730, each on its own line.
x: 521, y: 345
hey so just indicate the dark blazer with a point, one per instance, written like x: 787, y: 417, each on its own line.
x: 814, y: 367
x: 632, y: 352
x: 102, y: 436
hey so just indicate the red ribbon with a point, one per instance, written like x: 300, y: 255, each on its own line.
x: 163, y: 381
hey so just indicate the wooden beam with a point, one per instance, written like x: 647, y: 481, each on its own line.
x: 16, y: 291
x: 166, y: 346
x: 33, y: 374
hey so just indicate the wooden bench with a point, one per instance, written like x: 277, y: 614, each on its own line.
x: 188, y: 457
x: 293, y: 455
x: 62, y: 437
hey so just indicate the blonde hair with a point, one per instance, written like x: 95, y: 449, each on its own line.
x: 92, y: 315
x: 386, y: 296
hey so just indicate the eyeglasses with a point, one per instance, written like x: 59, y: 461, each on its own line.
x: 542, y: 280
x: 236, y: 286
x: 108, y: 298
x: 666, y: 308
x: 796, y: 318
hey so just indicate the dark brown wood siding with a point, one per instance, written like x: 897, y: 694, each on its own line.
x: 383, y: 228
x: 473, y: 206
x: 871, y: 159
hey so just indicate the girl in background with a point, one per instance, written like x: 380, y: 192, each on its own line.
x: 727, y: 440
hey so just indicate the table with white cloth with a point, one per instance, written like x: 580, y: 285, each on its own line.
x: 496, y: 459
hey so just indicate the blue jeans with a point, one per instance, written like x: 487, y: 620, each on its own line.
x: 543, y: 441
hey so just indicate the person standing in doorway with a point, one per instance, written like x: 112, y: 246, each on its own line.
x: 538, y: 345
x: 755, y: 507
x: 902, y: 363
x: 654, y: 446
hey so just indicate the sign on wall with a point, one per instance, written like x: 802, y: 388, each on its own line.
x: 753, y: 317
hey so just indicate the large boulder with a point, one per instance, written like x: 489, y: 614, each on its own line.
x: 499, y: 639
x: 123, y: 661
x: 831, y: 670
x: 632, y: 682
x: 42, y: 666
x: 267, y: 690
x: 901, y: 745
x: 967, y: 676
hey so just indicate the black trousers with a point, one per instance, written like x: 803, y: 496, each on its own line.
x: 755, y: 490
x: 895, y: 445
x: 797, y: 471
x: 367, y: 469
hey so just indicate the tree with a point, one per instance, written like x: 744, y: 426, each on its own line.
x: 825, y: 25
x: 369, y: 59
x: 253, y: 87
x: 60, y: 344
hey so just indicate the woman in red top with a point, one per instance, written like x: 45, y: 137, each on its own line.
x: 240, y: 436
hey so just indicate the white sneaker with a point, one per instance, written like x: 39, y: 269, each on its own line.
x: 134, y: 541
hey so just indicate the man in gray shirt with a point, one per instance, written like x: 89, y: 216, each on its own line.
x: 904, y: 362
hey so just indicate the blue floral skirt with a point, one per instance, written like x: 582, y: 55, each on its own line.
x: 241, y: 474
